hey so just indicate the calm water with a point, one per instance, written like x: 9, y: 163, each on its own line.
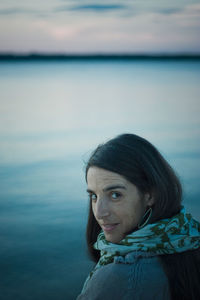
x: 52, y: 115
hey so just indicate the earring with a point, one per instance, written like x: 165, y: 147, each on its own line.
x: 145, y: 218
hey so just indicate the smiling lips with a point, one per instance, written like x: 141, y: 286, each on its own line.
x: 109, y: 227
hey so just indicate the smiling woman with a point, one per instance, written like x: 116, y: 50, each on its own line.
x: 144, y: 243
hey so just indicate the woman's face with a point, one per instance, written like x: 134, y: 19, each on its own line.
x: 117, y: 204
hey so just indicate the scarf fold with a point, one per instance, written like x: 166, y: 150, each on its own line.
x: 173, y: 235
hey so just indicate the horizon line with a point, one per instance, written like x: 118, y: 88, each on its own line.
x: 96, y: 56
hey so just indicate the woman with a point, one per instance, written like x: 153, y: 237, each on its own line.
x: 144, y: 243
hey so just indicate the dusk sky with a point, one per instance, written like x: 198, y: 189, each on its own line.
x: 81, y: 26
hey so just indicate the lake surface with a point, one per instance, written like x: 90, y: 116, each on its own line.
x: 52, y: 115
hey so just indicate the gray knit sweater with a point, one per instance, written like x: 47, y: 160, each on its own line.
x: 137, y: 276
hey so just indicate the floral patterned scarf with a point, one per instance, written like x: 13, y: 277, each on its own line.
x: 167, y: 236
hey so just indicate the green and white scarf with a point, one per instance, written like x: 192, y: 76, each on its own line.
x: 167, y: 236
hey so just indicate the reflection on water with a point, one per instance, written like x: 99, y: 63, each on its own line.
x: 51, y: 116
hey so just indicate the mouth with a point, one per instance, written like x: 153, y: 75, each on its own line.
x: 109, y: 227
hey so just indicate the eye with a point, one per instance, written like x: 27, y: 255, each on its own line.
x: 115, y: 195
x: 92, y: 197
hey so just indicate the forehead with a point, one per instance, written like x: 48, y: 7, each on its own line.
x: 97, y: 177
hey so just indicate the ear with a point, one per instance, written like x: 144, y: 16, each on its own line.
x: 149, y: 199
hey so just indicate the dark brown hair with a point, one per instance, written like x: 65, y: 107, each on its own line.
x: 143, y: 165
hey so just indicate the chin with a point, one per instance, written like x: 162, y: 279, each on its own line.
x: 113, y: 239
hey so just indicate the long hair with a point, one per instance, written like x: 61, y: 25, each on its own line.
x: 142, y: 164
x: 183, y: 273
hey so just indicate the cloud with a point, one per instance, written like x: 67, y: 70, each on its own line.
x: 58, y: 32
x: 170, y: 11
x: 16, y: 10
x: 93, y: 7
x: 184, y: 20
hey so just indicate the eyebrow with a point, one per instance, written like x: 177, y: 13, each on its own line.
x: 110, y: 187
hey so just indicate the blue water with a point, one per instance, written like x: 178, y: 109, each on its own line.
x: 52, y: 115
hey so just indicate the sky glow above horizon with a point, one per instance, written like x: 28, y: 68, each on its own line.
x: 58, y: 26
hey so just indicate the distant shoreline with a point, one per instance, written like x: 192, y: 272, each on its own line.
x: 57, y: 57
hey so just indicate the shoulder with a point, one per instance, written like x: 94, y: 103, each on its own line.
x: 148, y: 278
x: 106, y: 283
x: 135, y: 276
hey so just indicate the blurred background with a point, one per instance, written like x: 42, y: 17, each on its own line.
x: 74, y: 74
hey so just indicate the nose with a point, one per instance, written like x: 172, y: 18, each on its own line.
x: 102, y: 209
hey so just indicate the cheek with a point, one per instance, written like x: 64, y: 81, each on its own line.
x: 132, y: 213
